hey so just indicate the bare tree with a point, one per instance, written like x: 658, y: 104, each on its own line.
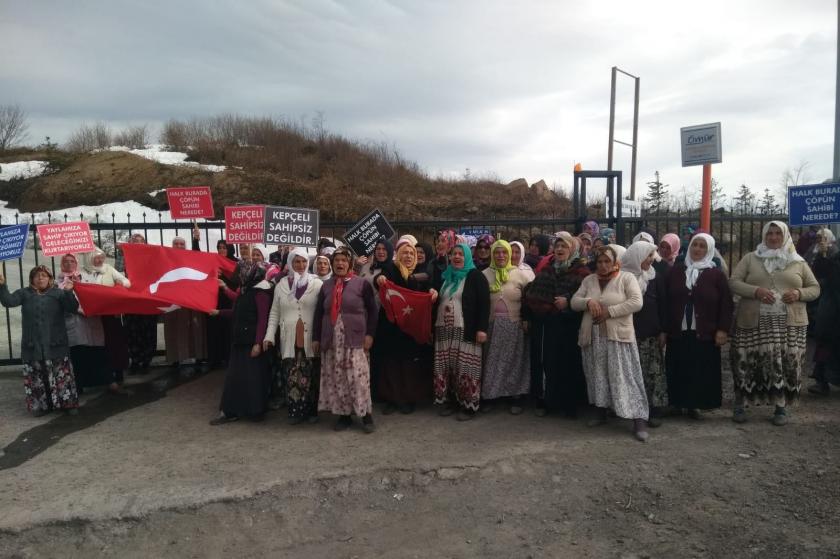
x: 87, y: 138
x: 135, y: 137
x: 13, y: 126
x: 792, y: 177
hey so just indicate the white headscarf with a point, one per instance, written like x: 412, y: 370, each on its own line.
x: 692, y: 268
x: 632, y: 262
x: 777, y: 258
x: 299, y: 281
x: 643, y: 236
x: 521, y: 264
x: 619, y: 250
x: 314, y: 267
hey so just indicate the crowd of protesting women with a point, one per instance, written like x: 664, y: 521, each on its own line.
x: 565, y: 324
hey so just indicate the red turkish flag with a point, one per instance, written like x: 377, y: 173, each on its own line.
x: 410, y: 310
x: 162, y: 279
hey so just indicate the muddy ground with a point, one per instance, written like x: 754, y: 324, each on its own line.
x: 146, y: 476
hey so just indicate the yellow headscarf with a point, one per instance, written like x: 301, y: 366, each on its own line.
x: 406, y: 271
x: 501, y: 273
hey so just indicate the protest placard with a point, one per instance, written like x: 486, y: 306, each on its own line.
x: 13, y: 241
x: 57, y: 239
x: 190, y: 202
x: 291, y: 226
x: 244, y: 224
x: 362, y: 236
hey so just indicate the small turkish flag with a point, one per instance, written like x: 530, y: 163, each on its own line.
x: 162, y: 279
x: 408, y: 309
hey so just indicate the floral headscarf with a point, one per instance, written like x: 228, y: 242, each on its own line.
x: 452, y: 277
x: 574, y: 250
x: 449, y: 237
x: 610, y: 253
x: 777, y: 258
x: 501, y: 274
x: 592, y: 228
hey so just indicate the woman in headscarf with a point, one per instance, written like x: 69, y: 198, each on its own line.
x: 425, y: 257
x: 443, y: 246
x: 85, y: 335
x: 608, y: 236
x: 481, y: 256
x: 96, y: 270
x: 185, y: 330
x: 538, y: 248
x: 649, y: 324
x: 141, y: 330
x: 218, y: 327
x: 343, y: 329
x: 644, y: 235
x: 322, y: 267
x: 460, y: 330
x: 768, y: 347
x: 608, y: 299
x: 382, y: 261
x: 592, y: 229
x: 517, y: 258
x: 402, y: 380
x: 585, y: 242
x: 557, y: 381
x: 293, y: 310
x: 699, y: 318
x: 381, y: 264
x: 507, y: 368
x: 48, y: 380
x: 248, y: 379
x: 823, y: 259
x: 669, y: 248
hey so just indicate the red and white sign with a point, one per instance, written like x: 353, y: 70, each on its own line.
x: 190, y: 202
x: 244, y: 224
x: 57, y: 239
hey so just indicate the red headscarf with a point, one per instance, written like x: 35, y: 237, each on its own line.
x: 338, y: 292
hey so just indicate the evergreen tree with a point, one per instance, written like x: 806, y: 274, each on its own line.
x: 657, y: 195
x: 767, y: 205
x: 744, y: 200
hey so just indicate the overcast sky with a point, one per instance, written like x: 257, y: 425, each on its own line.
x: 512, y: 89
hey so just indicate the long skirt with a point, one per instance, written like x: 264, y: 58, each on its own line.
x: 185, y: 333
x: 218, y: 340
x: 345, y: 377
x: 247, y: 384
x: 767, y: 361
x: 457, y: 367
x: 50, y: 385
x: 90, y: 366
x: 404, y: 376
x: 116, y: 345
x: 141, y: 331
x: 652, y: 360
x: 692, y: 367
x: 507, y: 361
x: 556, y: 366
x: 614, y: 376
x: 302, y: 380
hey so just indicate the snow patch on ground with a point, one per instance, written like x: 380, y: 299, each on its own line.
x: 22, y: 169
x: 159, y: 153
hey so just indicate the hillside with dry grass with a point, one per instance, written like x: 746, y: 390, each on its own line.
x: 272, y: 162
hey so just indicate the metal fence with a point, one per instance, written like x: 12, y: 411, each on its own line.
x: 736, y: 235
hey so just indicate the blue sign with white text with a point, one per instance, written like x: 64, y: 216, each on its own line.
x: 13, y: 241
x: 475, y: 231
x: 814, y: 204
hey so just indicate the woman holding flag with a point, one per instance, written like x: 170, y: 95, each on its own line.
x: 403, y: 380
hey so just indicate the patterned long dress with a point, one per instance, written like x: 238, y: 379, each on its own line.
x: 345, y: 377
x: 457, y: 361
x: 507, y: 362
x: 614, y: 376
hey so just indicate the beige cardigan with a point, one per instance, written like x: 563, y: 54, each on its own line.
x: 510, y: 293
x: 750, y: 274
x: 622, y: 297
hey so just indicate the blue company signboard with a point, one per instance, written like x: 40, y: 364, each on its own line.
x: 814, y: 204
x: 13, y: 241
x: 701, y: 144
